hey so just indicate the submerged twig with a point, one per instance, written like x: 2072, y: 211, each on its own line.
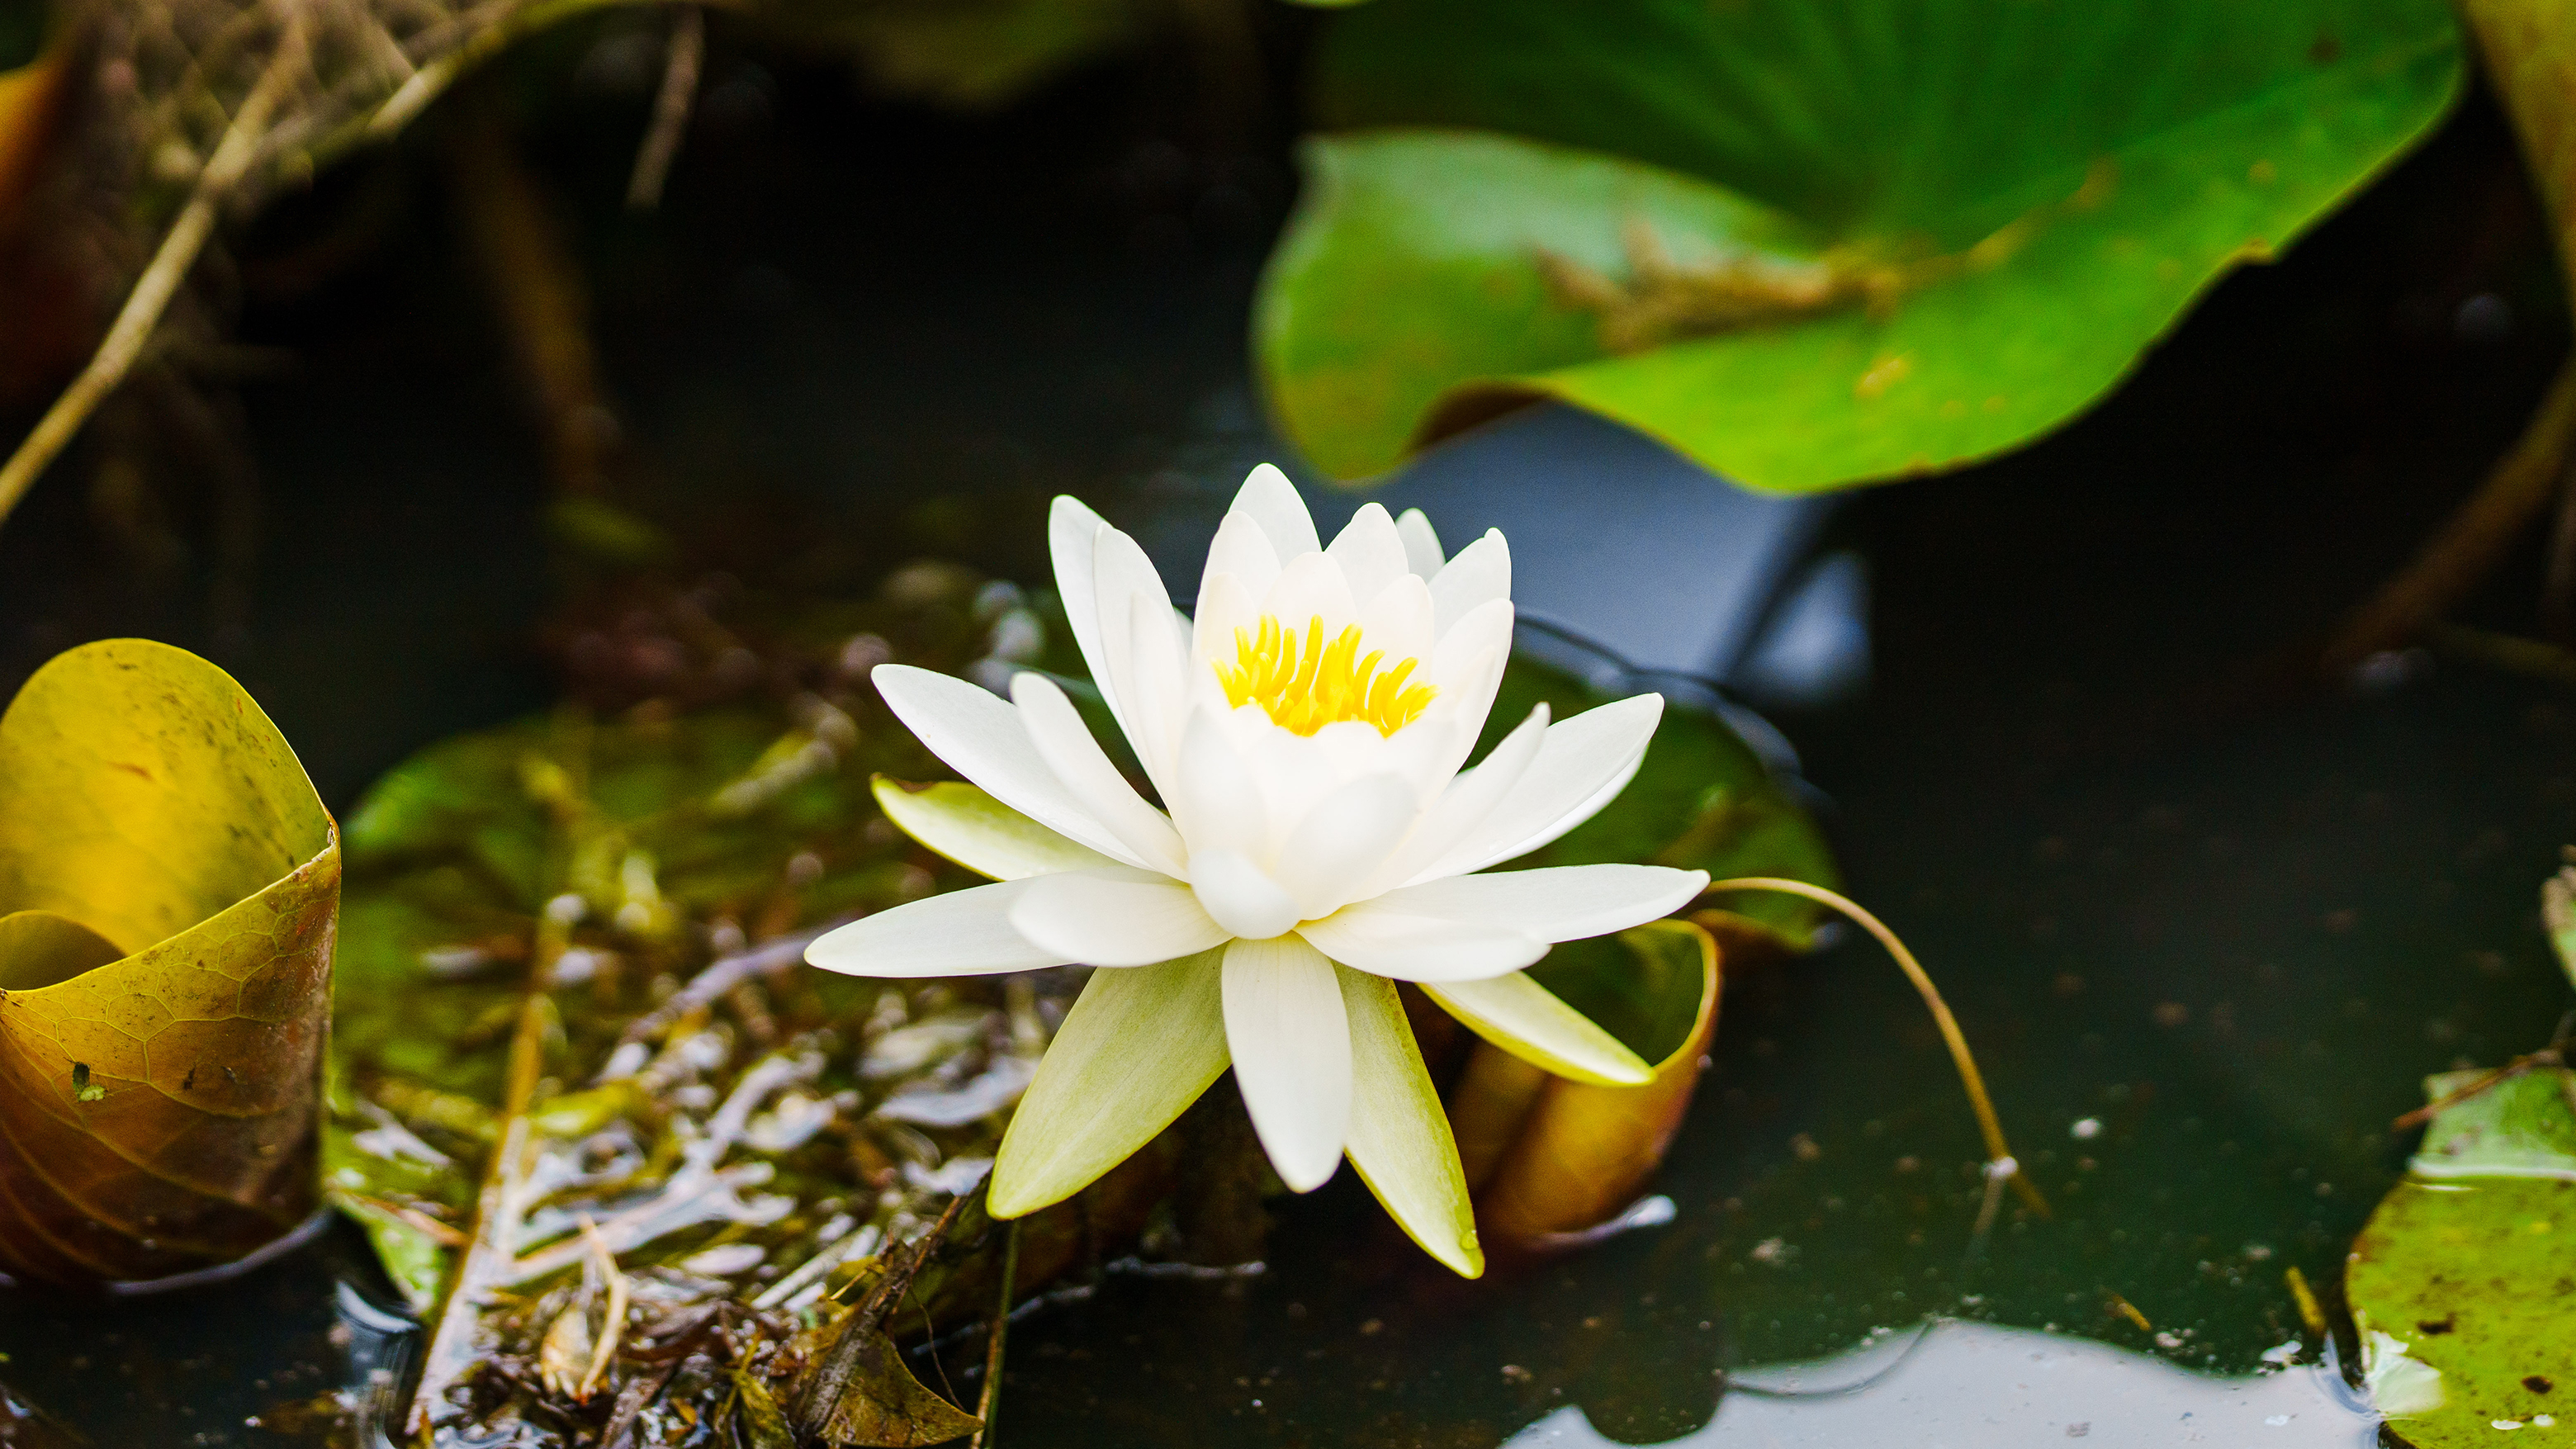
x: 991, y: 1402
x: 680, y: 70
x: 2000, y: 1162
x: 170, y: 265
x: 454, y: 1346
x: 721, y: 976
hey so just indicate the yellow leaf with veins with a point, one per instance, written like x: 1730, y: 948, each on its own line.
x: 169, y: 890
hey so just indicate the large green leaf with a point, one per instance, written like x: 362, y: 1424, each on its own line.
x: 2002, y: 203
x: 2459, y: 1282
x: 169, y: 884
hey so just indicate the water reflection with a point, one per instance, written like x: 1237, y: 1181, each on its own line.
x: 1955, y: 1383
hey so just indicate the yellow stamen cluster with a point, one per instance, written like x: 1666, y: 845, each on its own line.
x: 1306, y: 682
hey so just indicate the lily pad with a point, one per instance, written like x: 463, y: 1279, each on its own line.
x: 1807, y: 243
x: 169, y: 884
x: 2461, y: 1283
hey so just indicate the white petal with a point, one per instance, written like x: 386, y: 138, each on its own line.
x: 1369, y: 550
x: 1419, y: 948
x: 962, y: 933
x: 1112, y: 917
x: 1421, y: 544
x: 1143, y: 642
x: 1311, y: 588
x: 987, y: 741
x: 1242, y: 550
x: 1529, y: 1021
x: 1580, y: 766
x: 1237, y: 896
x: 1216, y: 794
x: 1466, y: 802
x: 1343, y: 840
x: 1466, y: 645
x: 1397, y: 619
x: 966, y: 824
x: 1138, y: 1047
x: 1480, y: 574
x: 1561, y: 903
x: 1272, y: 501
x: 1073, y: 532
x: 1225, y: 606
x: 1291, y: 1044
x: 1399, y: 1138
x: 1083, y: 768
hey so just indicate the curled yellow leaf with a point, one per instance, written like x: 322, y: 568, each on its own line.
x: 1548, y: 1155
x: 169, y: 890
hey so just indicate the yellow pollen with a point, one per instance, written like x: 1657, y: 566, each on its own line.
x: 1306, y: 682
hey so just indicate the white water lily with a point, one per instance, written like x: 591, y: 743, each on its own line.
x: 1321, y: 842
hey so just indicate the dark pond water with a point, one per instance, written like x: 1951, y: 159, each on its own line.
x: 2207, y: 926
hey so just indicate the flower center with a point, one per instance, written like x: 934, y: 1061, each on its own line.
x: 1305, y: 682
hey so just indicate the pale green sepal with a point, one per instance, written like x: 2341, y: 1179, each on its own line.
x: 1400, y: 1140
x: 1532, y: 1023
x: 1139, y: 1046
x: 979, y: 832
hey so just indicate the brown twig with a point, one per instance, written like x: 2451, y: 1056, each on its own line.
x: 536, y: 282
x: 2516, y: 491
x: 680, y: 71
x: 178, y: 252
x: 830, y: 1380
x: 991, y: 1402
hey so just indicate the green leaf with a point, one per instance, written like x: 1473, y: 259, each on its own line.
x: 1702, y: 800
x: 157, y: 1107
x: 1139, y: 1046
x: 1400, y: 1142
x: 981, y: 833
x: 2451, y: 1281
x: 1805, y: 242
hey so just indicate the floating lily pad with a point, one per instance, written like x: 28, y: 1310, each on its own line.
x: 1806, y: 242
x: 2463, y: 1284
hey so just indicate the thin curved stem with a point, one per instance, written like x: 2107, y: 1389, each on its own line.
x: 2000, y: 1162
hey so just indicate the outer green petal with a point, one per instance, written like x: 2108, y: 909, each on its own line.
x: 979, y: 832
x: 1137, y: 1049
x: 1400, y: 1138
x: 1529, y: 1021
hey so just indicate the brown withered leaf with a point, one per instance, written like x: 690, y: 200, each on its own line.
x: 892, y: 1409
x: 157, y: 1108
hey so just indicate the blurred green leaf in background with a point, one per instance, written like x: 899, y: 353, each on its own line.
x: 1808, y: 243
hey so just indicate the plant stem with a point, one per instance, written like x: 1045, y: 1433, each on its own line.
x: 2470, y: 544
x: 991, y: 1402
x: 169, y: 267
x: 688, y: 52
x: 2000, y: 1161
